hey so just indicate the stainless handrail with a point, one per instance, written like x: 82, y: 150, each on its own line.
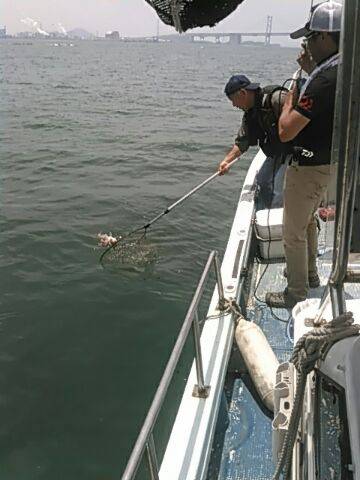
x: 200, y: 390
x: 152, y: 458
x: 145, y: 439
x: 346, y: 147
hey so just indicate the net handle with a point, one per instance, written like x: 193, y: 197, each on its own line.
x: 168, y: 209
x: 187, y: 195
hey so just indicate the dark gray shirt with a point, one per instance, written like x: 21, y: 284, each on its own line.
x: 248, y: 137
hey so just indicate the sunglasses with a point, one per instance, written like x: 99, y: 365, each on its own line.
x: 312, y: 35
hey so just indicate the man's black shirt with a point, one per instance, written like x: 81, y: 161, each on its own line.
x: 318, y: 104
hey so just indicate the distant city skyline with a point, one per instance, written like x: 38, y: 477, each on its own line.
x: 137, y: 18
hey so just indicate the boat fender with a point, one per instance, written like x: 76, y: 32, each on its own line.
x: 259, y: 358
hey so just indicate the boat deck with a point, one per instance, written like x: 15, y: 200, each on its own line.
x: 238, y: 452
x: 242, y: 455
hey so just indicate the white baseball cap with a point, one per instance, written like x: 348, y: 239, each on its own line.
x: 324, y: 17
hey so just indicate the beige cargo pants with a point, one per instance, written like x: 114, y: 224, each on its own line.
x: 304, y: 189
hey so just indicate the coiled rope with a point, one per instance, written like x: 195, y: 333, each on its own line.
x: 310, y: 348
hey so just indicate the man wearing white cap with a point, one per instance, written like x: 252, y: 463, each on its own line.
x: 307, y: 120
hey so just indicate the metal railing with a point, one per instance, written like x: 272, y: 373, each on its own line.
x: 145, y: 440
x: 346, y: 148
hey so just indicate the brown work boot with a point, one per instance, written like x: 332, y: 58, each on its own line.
x: 280, y: 299
x: 314, y: 280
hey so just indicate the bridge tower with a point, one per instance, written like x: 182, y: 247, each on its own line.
x: 156, y: 38
x: 269, y: 20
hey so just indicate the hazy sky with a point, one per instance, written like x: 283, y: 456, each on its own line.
x: 136, y: 17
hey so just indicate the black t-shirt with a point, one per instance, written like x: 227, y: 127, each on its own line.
x: 318, y: 104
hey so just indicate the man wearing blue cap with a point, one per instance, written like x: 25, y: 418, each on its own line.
x: 307, y: 120
x: 262, y: 107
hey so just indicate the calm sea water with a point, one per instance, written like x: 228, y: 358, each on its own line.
x: 94, y: 137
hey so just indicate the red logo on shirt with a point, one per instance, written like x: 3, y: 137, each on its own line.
x: 306, y: 103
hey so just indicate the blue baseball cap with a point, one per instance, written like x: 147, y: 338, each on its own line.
x: 237, y: 82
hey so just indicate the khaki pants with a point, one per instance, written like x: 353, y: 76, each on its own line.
x: 304, y: 189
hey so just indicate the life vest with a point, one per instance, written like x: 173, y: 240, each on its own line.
x: 264, y: 122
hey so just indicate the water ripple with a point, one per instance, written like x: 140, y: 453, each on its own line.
x: 103, y: 148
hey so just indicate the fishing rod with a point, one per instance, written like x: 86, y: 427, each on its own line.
x: 166, y: 211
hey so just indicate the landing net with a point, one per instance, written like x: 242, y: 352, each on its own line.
x: 132, y: 250
x: 185, y: 14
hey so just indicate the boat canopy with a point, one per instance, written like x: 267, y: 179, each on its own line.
x: 185, y: 14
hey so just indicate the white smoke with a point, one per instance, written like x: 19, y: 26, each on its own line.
x: 34, y: 24
x: 62, y: 29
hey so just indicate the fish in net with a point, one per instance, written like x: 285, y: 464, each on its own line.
x: 132, y: 250
x: 185, y: 14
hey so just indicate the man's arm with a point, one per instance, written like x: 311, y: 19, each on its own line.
x: 240, y: 146
x: 297, y: 114
x: 291, y: 122
x: 230, y: 157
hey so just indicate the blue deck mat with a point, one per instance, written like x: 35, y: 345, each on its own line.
x: 242, y: 443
